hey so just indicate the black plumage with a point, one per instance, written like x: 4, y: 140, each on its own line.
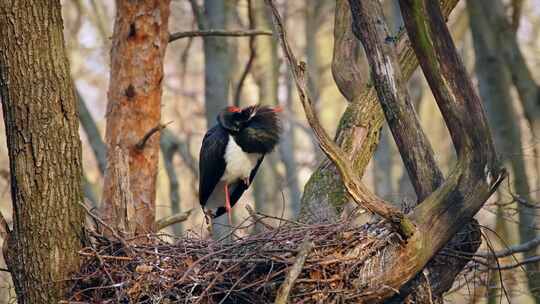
x: 255, y: 131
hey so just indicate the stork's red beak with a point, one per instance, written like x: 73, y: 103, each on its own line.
x: 277, y: 109
x: 233, y: 109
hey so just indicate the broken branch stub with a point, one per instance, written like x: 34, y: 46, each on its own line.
x: 355, y: 188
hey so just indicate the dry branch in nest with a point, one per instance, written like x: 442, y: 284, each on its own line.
x: 246, y: 270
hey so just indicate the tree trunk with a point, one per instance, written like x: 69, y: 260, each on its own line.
x: 314, y: 21
x: 41, y: 122
x: 139, y: 41
x: 494, y: 81
x: 217, y: 73
x: 266, y: 73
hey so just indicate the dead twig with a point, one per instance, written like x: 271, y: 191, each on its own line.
x: 172, y: 219
x: 140, y: 145
x: 214, y: 32
x: 294, y: 272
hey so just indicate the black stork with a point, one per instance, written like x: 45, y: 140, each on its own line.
x: 231, y: 153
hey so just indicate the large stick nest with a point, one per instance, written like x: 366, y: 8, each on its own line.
x: 246, y: 270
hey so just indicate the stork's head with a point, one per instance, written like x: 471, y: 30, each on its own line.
x: 256, y: 128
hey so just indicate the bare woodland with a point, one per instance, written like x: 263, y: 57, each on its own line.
x: 408, y: 169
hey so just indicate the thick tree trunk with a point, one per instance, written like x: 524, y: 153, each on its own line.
x: 494, y: 80
x: 139, y: 41
x: 41, y: 121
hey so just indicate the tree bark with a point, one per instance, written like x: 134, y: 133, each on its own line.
x: 134, y: 109
x: 41, y: 121
x: 494, y: 81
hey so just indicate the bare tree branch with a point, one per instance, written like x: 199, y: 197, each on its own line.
x: 517, y: 8
x: 172, y: 219
x: 283, y: 292
x: 532, y: 244
x: 358, y: 129
x: 414, y: 147
x: 140, y: 145
x: 221, y: 33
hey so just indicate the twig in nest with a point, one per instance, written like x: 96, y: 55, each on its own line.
x: 294, y: 272
x: 256, y: 218
x: 140, y: 145
x: 101, y: 257
x: 355, y: 188
x: 173, y: 219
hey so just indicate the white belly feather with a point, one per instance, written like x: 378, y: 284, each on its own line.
x: 239, y: 163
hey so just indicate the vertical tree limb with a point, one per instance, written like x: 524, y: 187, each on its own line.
x: 414, y: 147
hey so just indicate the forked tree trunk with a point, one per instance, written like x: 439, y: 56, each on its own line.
x: 41, y: 121
x: 140, y: 38
x: 358, y: 130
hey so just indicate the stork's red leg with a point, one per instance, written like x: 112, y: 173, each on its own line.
x: 228, y: 204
